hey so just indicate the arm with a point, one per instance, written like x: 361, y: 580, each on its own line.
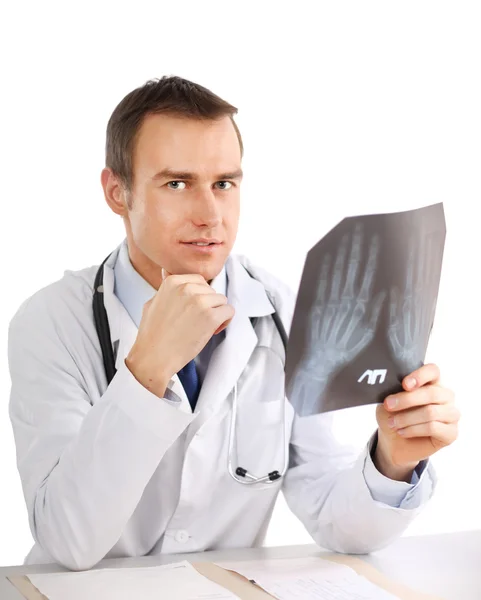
x: 83, y: 468
x: 326, y: 487
x: 360, y: 504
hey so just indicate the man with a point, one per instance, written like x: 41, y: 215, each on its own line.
x: 146, y: 460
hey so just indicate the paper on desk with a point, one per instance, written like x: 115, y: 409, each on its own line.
x: 308, y: 579
x: 179, y: 581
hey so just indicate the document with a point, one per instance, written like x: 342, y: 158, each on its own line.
x: 365, y: 309
x: 308, y: 579
x: 177, y: 581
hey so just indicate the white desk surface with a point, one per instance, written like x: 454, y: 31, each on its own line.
x: 447, y: 565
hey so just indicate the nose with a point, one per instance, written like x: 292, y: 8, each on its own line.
x: 207, y: 209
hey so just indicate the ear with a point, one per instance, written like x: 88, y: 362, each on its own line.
x: 114, y: 192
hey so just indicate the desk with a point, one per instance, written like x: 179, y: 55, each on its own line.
x: 447, y: 565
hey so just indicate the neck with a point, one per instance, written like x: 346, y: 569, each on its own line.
x: 146, y: 268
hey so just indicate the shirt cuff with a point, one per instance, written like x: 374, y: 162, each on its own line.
x: 388, y: 491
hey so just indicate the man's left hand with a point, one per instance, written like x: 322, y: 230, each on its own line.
x: 415, y: 423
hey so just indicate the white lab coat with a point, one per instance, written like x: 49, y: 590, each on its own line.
x: 116, y: 471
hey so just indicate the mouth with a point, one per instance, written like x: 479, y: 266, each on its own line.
x: 203, y: 245
x: 203, y: 242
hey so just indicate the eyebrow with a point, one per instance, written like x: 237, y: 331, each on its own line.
x: 187, y: 176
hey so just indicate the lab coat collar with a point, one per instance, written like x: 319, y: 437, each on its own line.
x: 230, y: 358
x: 112, y: 304
x: 245, y: 293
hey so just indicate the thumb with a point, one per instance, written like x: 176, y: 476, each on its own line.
x: 165, y: 274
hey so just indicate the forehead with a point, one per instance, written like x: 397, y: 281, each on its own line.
x: 166, y: 141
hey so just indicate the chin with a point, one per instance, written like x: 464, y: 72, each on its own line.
x: 210, y: 272
x: 208, y: 269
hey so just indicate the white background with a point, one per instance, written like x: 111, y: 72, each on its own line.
x: 345, y: 108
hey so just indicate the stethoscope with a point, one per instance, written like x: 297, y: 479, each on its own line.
x: 239, y: 474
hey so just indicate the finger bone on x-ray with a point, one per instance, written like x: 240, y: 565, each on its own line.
x: 340, y: 329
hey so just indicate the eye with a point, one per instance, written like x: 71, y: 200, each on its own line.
x: 176, y: 185
x: 224, y: 185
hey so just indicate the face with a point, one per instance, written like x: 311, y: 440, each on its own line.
x: 185, y: 194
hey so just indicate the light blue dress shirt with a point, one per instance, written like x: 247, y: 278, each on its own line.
x: 134, y: 291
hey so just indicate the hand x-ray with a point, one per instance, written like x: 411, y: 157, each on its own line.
x: 365, y: 309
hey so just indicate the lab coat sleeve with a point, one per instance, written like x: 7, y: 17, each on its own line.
x: 327, y: 487
x: 83, y: 467
x: 398, y: 494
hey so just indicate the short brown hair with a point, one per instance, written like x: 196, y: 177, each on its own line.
x: 171, y: 95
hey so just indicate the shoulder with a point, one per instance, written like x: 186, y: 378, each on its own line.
x: 61, y: 303
x: 280, y: 293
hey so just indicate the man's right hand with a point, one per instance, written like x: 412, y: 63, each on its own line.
x: 176, y: 325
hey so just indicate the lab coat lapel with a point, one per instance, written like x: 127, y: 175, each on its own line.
x: 123, y: 332
x: 249, y: 299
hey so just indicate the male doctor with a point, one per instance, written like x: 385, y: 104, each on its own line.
x: 139, y: 465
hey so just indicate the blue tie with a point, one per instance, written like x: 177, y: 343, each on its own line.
x: 190, y: 381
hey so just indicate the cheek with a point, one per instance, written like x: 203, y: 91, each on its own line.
x: 154, y: 224
x: 153, y: 213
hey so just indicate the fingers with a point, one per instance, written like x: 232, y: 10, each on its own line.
x: 442, y: 432
x: 176, y: 280
x: 338, y: 269
x: 393, y: 306
x: 212, y: 300
x: 223, y: 315
x: 324, y: 278
x: 425, y: 374
x: 410, y: 269
x: 194, y: 289
x: 444, y: 413
x: 365, y: 291
x: 354, y: 262
x: 223, y: 326
x: 429, y: 394
x: 376, y: 310
x: 421, y: 265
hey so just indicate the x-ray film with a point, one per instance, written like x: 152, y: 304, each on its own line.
x: 365, y: 309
